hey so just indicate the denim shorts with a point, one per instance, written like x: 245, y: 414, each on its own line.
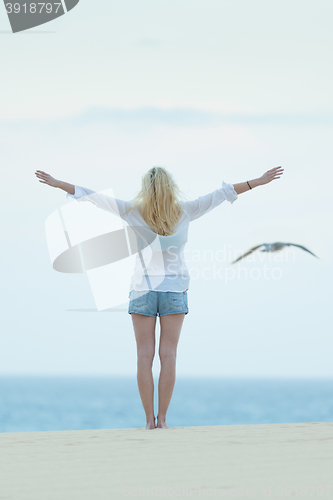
x: 152, y: 303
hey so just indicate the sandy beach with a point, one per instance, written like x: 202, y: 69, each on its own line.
x: 277, y: 461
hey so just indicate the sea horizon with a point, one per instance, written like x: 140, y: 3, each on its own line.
x: 77, y: 402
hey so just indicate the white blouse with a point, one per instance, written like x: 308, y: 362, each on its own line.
x: 159, y: 261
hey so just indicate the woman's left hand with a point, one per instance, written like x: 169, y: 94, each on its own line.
x: 46, y: 178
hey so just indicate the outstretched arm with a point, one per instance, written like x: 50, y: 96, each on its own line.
x: 109, y: 203
x: 270, y: 175
x: 51, y: 181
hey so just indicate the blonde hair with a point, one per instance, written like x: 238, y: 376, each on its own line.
x: 159, y: 201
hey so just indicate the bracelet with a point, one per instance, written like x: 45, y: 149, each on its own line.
x: 248, y: 184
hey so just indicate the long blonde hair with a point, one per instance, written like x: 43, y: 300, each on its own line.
x: 159, y: 200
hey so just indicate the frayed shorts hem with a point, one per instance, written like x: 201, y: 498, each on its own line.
x: 158, y: 315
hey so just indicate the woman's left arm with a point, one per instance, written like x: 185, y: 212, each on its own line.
x: 109, y: 203
x: 274, y: 173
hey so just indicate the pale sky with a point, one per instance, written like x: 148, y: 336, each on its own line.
x: 218, y: 90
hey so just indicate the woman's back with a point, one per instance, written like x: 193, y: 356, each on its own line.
x: 159, y: 263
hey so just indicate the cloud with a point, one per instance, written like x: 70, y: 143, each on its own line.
x: 173, y: 117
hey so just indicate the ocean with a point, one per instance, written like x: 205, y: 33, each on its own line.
x: 29, y: 403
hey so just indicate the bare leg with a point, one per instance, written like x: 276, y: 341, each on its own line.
x: 144, y: 329
x: 171, y: 325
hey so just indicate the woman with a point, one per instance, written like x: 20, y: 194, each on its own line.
x: 160, y: 280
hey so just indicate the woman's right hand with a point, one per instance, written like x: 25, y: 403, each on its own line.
x: 46, y: 178
x: 270, y: 175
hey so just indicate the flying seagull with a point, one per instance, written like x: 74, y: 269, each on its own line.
x: 273, y: 247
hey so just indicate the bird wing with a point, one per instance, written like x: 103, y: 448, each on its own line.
x: 303, y: 248
x: 247, y: 253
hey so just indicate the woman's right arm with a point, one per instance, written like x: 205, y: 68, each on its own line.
x: 51, y: 181
x: 270, y: 175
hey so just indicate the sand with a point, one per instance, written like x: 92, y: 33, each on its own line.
x: 274, y: 461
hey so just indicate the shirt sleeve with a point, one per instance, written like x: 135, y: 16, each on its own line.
x: 108, y: 203
x: 204, y: 204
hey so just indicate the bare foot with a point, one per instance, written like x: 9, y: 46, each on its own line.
x: 151, y: 424
x: 161, y: 424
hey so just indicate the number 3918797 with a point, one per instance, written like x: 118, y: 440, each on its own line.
x: 32, y: 8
